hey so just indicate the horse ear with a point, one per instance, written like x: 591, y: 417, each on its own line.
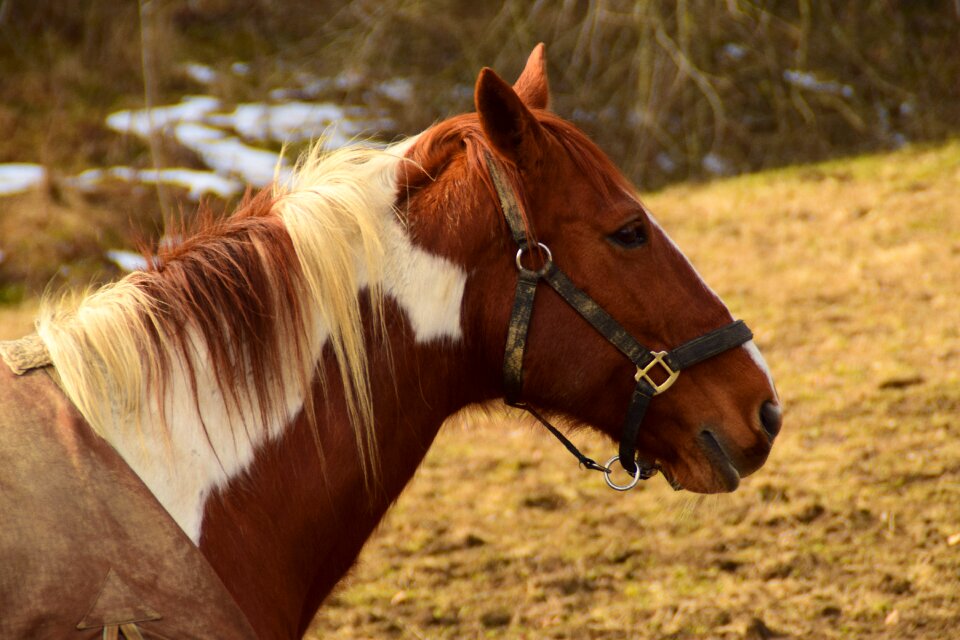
x: 509, y: 126
x: 532, y: 85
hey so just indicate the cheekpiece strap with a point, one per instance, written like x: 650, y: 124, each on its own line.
x: 508, y: 201
x: 517, y: 334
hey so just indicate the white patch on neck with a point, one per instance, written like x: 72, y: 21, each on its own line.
x: 182, y: 467
x: 428, y: 288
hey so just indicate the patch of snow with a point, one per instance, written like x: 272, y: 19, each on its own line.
x: 883, y: 118
x: 18, y: 177
x: 712, y: 163
x: 200, y: 73
x: 197, y: 183
x: 734, y: 51
x: 288, y: 122
x: 806, y: 80
x: 143, y: 122
x: 398, y: 89
x: 462, y: 93
x: 348, y: 79
x: 283, y: 94
x: 198, y: 123
x: 90, y: 179
x: 666, y: 163
x: 127, y: 260
x: 228, y: 155
x: 582, y: 115
x: 309, y: 87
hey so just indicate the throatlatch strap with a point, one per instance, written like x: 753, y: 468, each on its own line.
x: 586, y: 461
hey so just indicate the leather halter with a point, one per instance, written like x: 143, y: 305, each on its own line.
x: 671, y: 362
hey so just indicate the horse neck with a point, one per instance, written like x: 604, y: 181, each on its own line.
x: 304, y: 515
x: 283, y: 534
x: 278, y: 499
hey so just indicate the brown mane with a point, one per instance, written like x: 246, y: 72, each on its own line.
x: 237, y: 280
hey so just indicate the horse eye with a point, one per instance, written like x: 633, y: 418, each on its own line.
x: 630, y: 236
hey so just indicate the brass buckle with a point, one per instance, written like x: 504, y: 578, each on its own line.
x: 643, y: 373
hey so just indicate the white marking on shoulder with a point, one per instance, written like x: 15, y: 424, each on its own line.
x: 427, y: 287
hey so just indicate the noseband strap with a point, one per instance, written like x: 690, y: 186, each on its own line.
x: 671, y: 363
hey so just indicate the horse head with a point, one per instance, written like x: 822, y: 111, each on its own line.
x: 720, y: 416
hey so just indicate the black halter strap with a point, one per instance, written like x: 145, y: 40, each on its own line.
x: 671, y: 363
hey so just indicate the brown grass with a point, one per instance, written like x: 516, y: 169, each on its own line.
x: 848, y: 274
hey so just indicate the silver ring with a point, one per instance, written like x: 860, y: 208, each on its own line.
x: 620, y: 487
x: 546, y: 264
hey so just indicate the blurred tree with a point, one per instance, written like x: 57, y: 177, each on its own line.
x: 671, y: 89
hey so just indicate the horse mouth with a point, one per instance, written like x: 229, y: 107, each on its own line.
x: 720, y: 462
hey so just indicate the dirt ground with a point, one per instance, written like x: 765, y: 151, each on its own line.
x: 849, y: 275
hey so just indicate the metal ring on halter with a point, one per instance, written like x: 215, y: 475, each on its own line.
x: 546, y: 263
x: 620, y: 487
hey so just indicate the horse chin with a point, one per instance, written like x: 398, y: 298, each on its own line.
x: 670, y: 477
x: 711, y: 470
x: 715, y: 480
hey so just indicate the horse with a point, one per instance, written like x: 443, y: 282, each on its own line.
x: 208, y: 443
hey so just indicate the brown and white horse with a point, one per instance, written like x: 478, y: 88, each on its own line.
x: 277, y: 378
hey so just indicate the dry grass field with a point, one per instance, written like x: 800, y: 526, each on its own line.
x: 849, y: 274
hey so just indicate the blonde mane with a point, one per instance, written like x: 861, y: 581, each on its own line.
x: 255, y: 297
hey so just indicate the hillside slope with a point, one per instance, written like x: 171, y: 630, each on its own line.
x: 849, y: 274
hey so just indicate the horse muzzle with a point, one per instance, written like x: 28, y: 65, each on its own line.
x: 729, y: 462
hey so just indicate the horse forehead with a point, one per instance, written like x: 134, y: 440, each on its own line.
x: 595, y: 188
x: 582, y: 201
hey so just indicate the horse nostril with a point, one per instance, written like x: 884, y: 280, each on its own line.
x: 771, y: 417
